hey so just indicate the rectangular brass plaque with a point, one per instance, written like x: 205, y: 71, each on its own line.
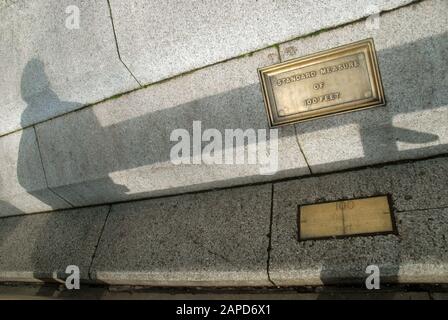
x: 345, y: 218
x: 342, y: 79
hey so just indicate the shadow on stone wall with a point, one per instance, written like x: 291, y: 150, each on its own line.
x: 49, y: 242
x: 94, y: 152
x: 37, y: 92
x: 119, y: 147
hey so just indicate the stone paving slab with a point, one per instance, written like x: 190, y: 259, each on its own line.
x: 159, y: 40
x: 412, y: 53
x: 120, y: 149
x: 217, y: 238
x: 23, y: 188
x: 39, y: 247
x: 220, y: 238
x: 417, y: 254
x: 48, y: 69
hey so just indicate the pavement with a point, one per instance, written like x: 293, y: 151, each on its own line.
x: 244, y: 236
x: 92, y: 93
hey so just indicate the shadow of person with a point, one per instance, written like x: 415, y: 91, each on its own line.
x: 36, y: 91
x: 51, y: 243
x: 40, y: 98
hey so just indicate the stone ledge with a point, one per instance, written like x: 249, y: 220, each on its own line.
x: 217, y: 238
x: 221, y: 237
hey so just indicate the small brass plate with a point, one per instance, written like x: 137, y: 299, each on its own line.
x: 342, y: 79
x: 345, y: 218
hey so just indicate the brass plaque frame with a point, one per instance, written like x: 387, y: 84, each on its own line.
x: 349, y: 204
x: 339, y: 80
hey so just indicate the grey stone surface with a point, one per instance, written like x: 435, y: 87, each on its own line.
x: 418, y: 254
x: 48, y: 69
x: 120, y: 149
x: 206, y: 239
x: 412, y: 52
x: 161, y: 40
x: 220, y: 238
x: 420, y: 185
x: 23, y: 188
x: 39, y: 247
x: 423, y: 251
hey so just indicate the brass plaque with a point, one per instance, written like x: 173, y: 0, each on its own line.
x: 342, y: 79
x: 345, y: 218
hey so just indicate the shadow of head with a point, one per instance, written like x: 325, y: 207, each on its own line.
x: 41, y: 100
x: 34, y: 81
x: 43, y: 103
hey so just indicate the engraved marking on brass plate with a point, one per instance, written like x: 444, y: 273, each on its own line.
x: 338, y: 80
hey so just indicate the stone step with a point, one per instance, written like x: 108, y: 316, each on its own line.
x: 245, y: 236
